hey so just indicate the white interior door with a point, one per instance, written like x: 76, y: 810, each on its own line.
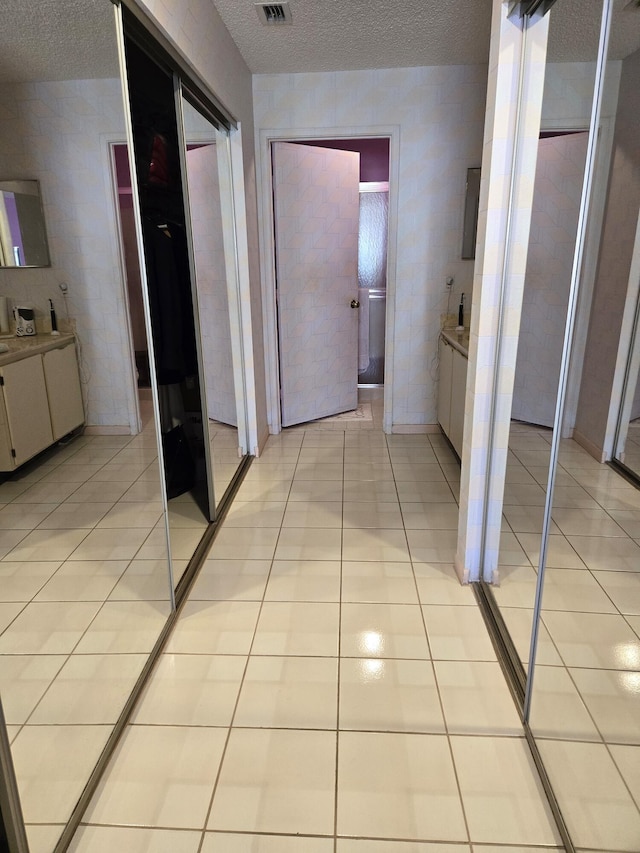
x: 316, y: 201
x: 554, y: 223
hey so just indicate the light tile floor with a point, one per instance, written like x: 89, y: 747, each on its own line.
x: 329, y: 687
x: 586, y: 701
x: 83, y: 597
x: 327, y: 658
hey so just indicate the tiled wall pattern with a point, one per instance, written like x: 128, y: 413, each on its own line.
x: 215, y: 329
x: 568, y: 92
x: 554, y: 220
x: 616, y: 248
x: 59, y: 133
x: 316, y: 197
x: 440, y: 114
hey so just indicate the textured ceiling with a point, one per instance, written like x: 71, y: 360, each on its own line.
x: 75, y: 39
x: 327, y: 35
x: 574, y: 30
x: 57, y: 40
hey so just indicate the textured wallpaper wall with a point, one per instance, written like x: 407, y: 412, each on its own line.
x: 440, y: 115
x: 59, y: 133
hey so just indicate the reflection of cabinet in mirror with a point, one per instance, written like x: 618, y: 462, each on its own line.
x: 41, y: 402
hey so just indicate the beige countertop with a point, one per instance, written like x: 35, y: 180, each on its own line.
x: 458, y: 340
x: 23, y: 347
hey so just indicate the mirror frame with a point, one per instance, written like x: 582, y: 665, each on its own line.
x: 470, y: 220
x: 30, y: 188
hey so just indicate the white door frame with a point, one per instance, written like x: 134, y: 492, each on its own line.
x: 268, y: 263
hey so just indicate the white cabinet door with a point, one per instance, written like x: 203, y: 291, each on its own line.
x: 458, y: 392
x: 63, y: 390
x: 444, y: 385
x: 25, y: 395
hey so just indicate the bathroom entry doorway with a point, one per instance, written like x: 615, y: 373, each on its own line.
x: 331, y: 201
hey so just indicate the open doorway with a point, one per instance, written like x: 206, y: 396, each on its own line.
x: 331, y: 223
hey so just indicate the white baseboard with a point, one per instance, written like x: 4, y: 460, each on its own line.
x: 462, y: 572
x: 591, y: 448
x: 415, y: 429
x: 97, y: 429
x: 262, y: 440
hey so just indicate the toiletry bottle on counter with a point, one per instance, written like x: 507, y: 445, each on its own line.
x: 54, y: 321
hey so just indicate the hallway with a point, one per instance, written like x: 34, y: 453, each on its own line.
x: 329, y: 685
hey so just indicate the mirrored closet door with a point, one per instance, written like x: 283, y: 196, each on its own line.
x: 569, y: 579
x: 97, y: 530
x: 174, y: 345
x: 563, y: 133
x: 584, y: 692
x: 183, y: 206
x: 208, y: 184
x: 84, y: 580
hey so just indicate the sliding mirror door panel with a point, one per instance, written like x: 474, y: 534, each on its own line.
x: 208, y: 184
x: 559, y: 174
x: 585, y: 704
x: 174, y: 323
x: 84, y: 590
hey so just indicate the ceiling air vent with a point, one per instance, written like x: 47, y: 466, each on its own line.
x: 274, y: 13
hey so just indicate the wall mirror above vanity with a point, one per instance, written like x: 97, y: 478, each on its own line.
x: 23, y: 235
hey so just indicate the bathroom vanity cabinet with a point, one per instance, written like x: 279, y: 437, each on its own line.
x: 40, y: 399
x: 452, y: 384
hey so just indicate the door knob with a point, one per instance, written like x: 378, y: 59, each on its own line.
x: 355, y: 303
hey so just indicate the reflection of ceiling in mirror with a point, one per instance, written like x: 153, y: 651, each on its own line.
x: 575, y: 27
x: 57, y: 40
x: 74, y: 39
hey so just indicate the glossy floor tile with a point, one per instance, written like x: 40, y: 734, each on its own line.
x: 585, y: 703
x: 224, y: 842
x: 191, y: 690
x: 386, y: 695
x: 50, y: 787
x: 289, y: 693
x: 280, y: 781
x: 159, y: 776
x: 105, y: 839
x: 502, y: 796
x: 400, y: 786
x: 596, y: 803
x: 329, y: 686
x: 476, y: 699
